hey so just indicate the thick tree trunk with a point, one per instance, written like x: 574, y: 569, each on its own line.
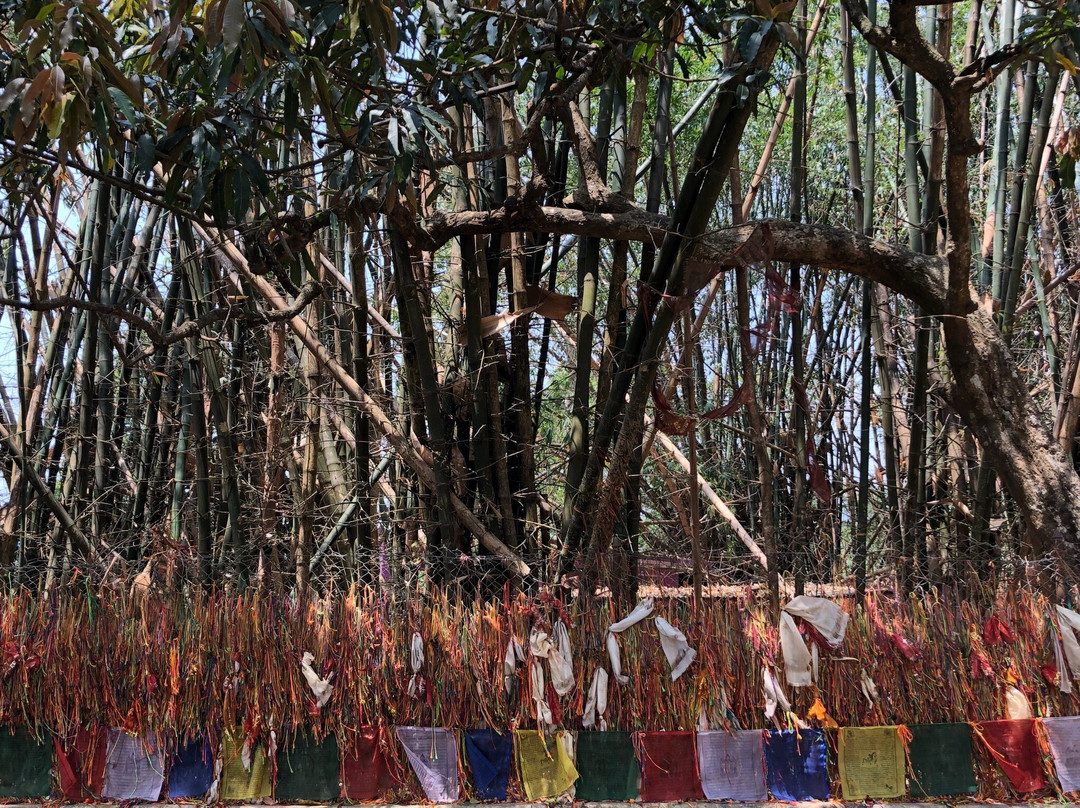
x: 992, y: 397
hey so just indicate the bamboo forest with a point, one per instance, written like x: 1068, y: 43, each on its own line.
x: 567, y: 295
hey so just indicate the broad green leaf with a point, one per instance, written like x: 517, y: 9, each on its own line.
x: 232, y: 24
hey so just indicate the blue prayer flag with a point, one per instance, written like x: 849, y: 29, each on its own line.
x: 191, y: 771
x: 795, y: 765
x: 489, y: 752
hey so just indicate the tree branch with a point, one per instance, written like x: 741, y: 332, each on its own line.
x: 918, y: 277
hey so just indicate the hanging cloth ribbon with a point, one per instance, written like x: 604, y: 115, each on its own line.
x: 774, y: 694
x: 1069, y: 621
x: 596, y: 704
x: 640, y: 612
x: 514, y: 654
x: 869, y: 689
x: 828, y: 619
x: 560, y: 661
x: 1017, y: 705
x: 320, y: 687
x: 1063, y: 679
x: 416, y: 660
x: 678, y: 652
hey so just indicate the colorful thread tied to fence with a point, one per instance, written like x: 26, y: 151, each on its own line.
x: 319, y: 753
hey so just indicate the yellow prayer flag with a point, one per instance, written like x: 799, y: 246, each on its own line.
x: 871, y: 763
x: 546, y: 768
x: 238, y: 783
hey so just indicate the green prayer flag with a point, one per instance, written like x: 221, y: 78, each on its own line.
x: 608, y: 766
x: 939, y: 760
x: 25, y: 765
x: 309, y: 771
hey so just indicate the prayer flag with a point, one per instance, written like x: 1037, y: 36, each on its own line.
x: 490, y: 755
x: 432, y: 753
x: 1015, y: 748
x: 608, y: 766
x: 309, y: 770
x: 871, y: 763
x: 245, y: 777
x: 546, y: 768
x: 940, y: 759
x: 732, y: 765
x: 1064, y: 735
x: 191, y: 770
x: 366, y: 775
x: 795, y: 765
x: 25, y: 765
x: 80, y: 759
x: 134, y: 767
x: 669, y: 769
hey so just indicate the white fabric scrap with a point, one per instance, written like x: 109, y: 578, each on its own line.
x: 1017, y: 705
x: 596, y: 704
x: 560, y: 661
x: 828, y: 619
x: 212, y: 794
x: 615, y: 657
x: 539, y: 693
x: 1064, y: 680
x: 417, y: 652
x: 797, y: 659
x: 567, y: 741
x: 1069, y: 621
x: 869, y: 689
x: 678, y: 652
x: 774, y: 694
x: 539, y: 643
x: 514, y: 654
x: 416, y: 660
x: 641, y: 611
x: 320, y: 687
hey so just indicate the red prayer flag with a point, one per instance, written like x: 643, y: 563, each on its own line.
x: 366, y: 774
x: 669, y: 767
x: 81, y: 762
x: 1016, y: 750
